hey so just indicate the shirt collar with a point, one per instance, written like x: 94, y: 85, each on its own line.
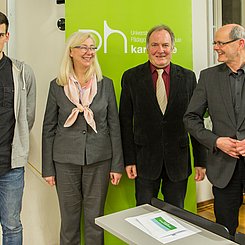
x: 240, y: 71
x: 153, y: 68
x: 243, y: 68
x: 3, y: 60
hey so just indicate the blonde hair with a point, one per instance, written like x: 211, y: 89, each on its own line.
x: 66, y: 67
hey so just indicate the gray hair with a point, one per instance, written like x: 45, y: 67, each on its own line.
x: 237, y: 32
x: 160, y: 28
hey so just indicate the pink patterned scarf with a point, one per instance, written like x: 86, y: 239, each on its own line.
x: 87, y: 96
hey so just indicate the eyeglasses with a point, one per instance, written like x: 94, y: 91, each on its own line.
x: 221, y: 44
x: 85, y: 49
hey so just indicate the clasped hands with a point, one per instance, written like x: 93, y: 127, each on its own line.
x: 232, y: 147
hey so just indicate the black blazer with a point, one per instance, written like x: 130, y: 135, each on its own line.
x: 151, y: 139
x: 214, y: 92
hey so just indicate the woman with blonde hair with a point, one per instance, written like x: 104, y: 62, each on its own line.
x: 81, y: 142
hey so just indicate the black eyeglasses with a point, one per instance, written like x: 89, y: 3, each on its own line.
x: 85, y: 49
x: 221, y: 44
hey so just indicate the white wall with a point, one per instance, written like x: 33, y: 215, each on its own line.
x: 40, y: 215
x: 39, y: 42
x: 202, y: 58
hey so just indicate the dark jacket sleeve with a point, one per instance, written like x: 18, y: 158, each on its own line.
x: 115, y: 134
x: 200, y: 152
x: 48, y: 133
x: 194, y: 116
x: 126, y: 121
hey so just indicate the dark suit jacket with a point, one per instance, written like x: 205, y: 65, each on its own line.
x: 213, y: 92
x: 70, y: 145
x: 151, y: 139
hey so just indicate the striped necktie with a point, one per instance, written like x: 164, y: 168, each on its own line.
x: 161, y: 91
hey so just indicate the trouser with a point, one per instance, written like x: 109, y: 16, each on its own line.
x: 11, y: 193
x: 82, y: 188
x: 173, y: 192
x: 227, y: 201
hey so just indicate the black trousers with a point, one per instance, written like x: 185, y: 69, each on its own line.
x: 81, y: 190
x: 173, y: 192
x: 227, y: 201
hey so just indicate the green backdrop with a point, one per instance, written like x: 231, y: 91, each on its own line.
x: 120, y: 27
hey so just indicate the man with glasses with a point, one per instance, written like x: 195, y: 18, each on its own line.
x: 221, y: 92
x: 154, y: 98
x: 17, y: 111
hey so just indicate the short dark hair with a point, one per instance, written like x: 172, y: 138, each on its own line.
x: 160, y: 28
x: 4, y: 20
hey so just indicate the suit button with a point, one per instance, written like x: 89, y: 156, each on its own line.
x: 84, y: 131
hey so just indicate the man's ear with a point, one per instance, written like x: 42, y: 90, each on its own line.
x: 7, y: 37
x: 242, y: 42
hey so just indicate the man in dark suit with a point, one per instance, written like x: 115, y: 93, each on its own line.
x: 221, y: 90
x: 155, y: 142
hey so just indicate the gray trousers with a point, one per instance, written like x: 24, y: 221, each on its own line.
x: 81, y: 189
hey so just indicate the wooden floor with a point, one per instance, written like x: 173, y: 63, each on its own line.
x: 206, y: 210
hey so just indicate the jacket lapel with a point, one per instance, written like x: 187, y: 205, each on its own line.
x: 225, y: 89
x: 241, y: 117
x: 175, y: 78
x: 147, y: 84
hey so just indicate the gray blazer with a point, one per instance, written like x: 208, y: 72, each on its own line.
x: 79, y: 142
x: 213, y: 92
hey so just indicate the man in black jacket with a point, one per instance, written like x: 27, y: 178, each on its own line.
x: 155, y: 142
